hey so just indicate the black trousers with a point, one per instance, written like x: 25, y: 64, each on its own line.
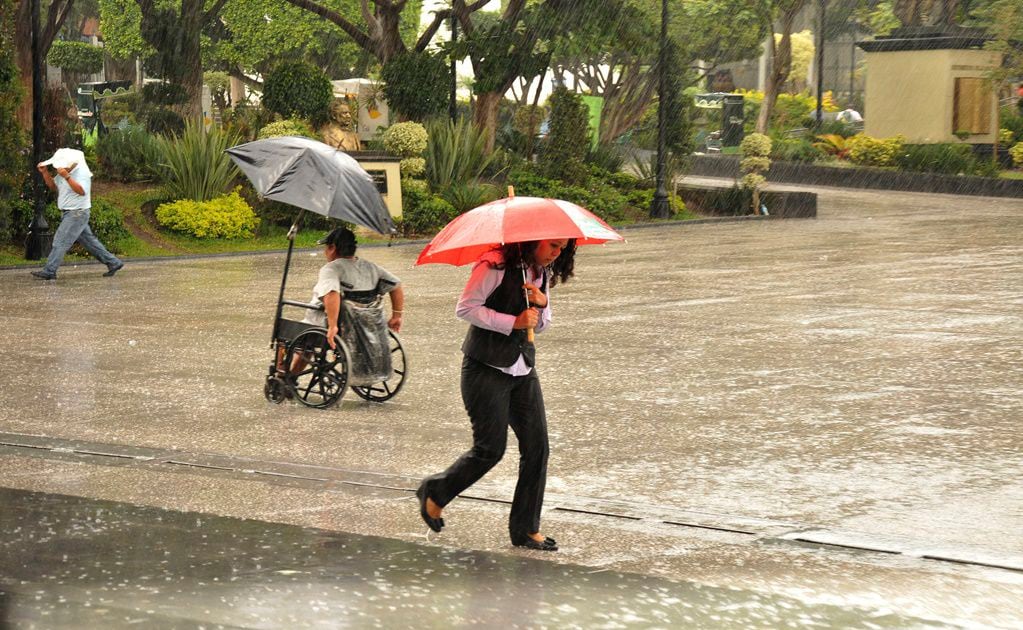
x: 495, y: 401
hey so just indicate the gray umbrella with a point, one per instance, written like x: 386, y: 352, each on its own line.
x: 314, y: 176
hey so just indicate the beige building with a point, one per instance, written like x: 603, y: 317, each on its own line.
x: 930, y: 88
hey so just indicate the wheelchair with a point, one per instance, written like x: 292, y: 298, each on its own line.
x: 367, y: 357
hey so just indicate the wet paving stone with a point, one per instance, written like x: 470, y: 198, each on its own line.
x: 68, y: 562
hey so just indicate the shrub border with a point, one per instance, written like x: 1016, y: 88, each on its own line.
x: 863, y: 177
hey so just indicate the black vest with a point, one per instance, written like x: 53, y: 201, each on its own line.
x: 492, y: 347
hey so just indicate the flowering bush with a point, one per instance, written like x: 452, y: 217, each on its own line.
x: 868, y: 151
x: 755, y: 144
x: 227, y: 216
x: 755, y: 149
x: 752, y: 181
x: 413, y: 167
x: 405, y: 139
x: 289, y: 127
x: 1017, y: 154
x: 790, y: 110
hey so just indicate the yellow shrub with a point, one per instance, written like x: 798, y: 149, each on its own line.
x: 1017, y: 154
x: 227, y: 216
x: 870, y: 151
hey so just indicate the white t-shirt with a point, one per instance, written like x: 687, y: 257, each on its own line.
x: 356, y: 273
x: 68, y: 199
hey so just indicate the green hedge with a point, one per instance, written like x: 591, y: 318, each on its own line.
x: 78, y: 57
x: 422, y: 211
x: 945, y: 158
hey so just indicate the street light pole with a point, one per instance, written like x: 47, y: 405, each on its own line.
x: 453, y: 104
x: 659, y: 207
x: 39, y: 240
x: 820, y: 63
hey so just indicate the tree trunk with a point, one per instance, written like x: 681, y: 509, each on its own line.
x: 54, y: 20
x: 192, y: 17
x: 484, y: 116
x: 781, y: 66
x: 390, y: 44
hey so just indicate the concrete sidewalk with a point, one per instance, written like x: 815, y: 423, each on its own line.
x: 774, y: 386
x: 72, y: 563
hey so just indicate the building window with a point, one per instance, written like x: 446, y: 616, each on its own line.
x: 380, y: 179
x: 972, y: 107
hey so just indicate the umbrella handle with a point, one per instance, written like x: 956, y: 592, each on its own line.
x: 530, y: 333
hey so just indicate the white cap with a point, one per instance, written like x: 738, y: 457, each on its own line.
x: 64, y: 158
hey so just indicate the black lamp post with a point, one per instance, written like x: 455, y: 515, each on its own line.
x: 820, y: 64
x: 39, y: 240
x: 453, y: 104
x: 659, y: 207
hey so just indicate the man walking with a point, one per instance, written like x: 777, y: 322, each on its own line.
x: 74, y: 187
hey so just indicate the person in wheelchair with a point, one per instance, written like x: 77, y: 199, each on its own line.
x: 356, y: 278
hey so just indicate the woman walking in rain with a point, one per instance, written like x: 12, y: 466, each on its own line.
x: 506, y: 297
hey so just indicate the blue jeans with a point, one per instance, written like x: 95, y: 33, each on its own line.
x: 74, y: 226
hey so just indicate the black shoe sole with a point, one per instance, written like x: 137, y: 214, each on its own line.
x: 548, y: 544
x: 436, y: 524
x: 111, y: 272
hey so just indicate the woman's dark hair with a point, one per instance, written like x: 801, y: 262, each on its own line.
x: 561, y: 269
x: 343, y: 240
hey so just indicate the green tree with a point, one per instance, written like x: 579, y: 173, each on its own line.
x: 518, y: 44
x: 568, y: 140
x: 168, y: 34
x: 416, y: 85
x: 620, y: 63
x: 297, y: 88
x: 244, y: 37
x: 12, y: 164
x: 384, y: 27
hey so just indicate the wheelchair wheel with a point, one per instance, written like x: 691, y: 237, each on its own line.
x: 275, y: 389
x: 323, y: 378
x: 386, y: 390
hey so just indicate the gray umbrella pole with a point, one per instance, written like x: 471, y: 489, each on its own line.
x: 284, y: 280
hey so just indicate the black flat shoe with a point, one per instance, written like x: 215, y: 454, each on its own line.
x: 436, y: 524
x: 548, y: 544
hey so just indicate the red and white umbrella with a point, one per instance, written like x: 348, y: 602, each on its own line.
x: 514, y: 220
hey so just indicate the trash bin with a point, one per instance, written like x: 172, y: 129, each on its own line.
x: 732, y: 119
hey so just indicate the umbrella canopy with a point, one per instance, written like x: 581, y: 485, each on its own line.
x: 514, y: 220
x: 314, y: 176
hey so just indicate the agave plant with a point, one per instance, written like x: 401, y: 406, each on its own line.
x: 194, y: 164
x: 833, y: 144
x: 456, y: 153
x: 468, y: 195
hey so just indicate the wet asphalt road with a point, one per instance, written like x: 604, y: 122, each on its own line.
x: 772, y: 385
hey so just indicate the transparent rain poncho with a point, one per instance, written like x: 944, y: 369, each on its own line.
x: 364, y: 331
